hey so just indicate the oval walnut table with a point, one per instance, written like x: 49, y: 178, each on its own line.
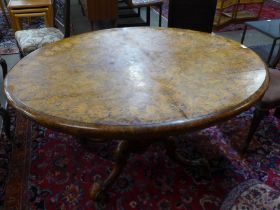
x: 138, y: 85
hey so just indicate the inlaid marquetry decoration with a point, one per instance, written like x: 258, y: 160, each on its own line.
x: 136, y: 81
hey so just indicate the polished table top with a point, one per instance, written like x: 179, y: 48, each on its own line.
x: 130, y: 82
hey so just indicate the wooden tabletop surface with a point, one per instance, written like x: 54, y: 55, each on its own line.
x: 129, y: 82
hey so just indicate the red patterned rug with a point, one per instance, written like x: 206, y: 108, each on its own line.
x: 270, y: 10
x: 51, y: 170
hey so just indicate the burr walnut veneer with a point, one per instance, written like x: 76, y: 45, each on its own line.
x: 138, y: 85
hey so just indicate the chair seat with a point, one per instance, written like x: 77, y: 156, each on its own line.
x: 32, y: 39
x: 271, y: 97
x: 252, y: 194
x: 145, y: 3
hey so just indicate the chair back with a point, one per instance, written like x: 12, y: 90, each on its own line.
x: 61, y: 10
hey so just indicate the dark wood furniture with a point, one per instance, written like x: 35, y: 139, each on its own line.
x: 270, y: 100
x: 100, y: 11
x: 270, y: 28
x: 195, y: 14
x: 138, y: 85
x: 3, y: 112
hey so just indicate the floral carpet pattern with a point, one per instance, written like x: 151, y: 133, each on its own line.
x: 7, y: 42
x: 60, y: 170
x: 270, y: 10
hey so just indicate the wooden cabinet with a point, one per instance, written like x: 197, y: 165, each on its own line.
x: 230, y: 11
x: 100, y: 10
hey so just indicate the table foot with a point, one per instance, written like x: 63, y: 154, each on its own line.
x: 98, y: 191
x: 125, y: 148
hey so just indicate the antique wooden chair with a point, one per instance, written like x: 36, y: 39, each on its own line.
x: 3, y: 112
x: 270, y: 100
x: 32, y: 39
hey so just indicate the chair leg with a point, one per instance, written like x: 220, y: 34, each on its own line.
x: 148, y: 16
x: 276, y: 59
x: 4, y: 67
x: 257, y: 117
x: 21, y: 54
x: 82, y: 8
x: 6, y: 122
x: 3, y: 113
x: 160, y: 13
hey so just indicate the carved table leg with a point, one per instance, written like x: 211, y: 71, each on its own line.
x: 98, y: 192
x: 125, y: 148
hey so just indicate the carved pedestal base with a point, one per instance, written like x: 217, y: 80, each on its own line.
x: 125, y: 148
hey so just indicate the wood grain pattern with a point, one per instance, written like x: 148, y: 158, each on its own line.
x: 102, y: 10
x: 129, y: 82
